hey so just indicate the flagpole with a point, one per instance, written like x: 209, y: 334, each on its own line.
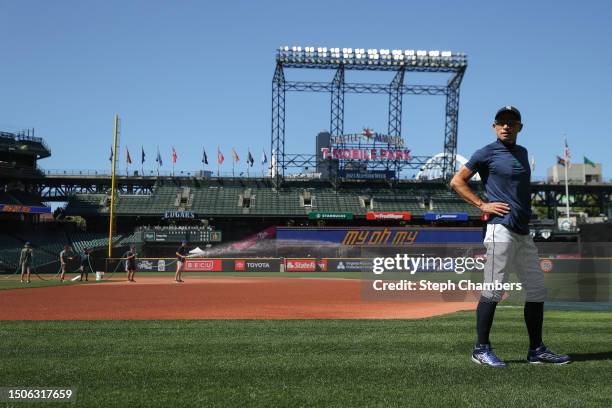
x: 113, y: 186
x: 567, y: 210
x: 218, y: 164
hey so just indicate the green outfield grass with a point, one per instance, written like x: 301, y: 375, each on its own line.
x: 309, y: 363
x: 36, y: 282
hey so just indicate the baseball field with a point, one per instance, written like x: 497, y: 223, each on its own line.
x: 201, y: 345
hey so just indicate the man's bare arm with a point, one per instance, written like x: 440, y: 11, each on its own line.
x: 459, y: 183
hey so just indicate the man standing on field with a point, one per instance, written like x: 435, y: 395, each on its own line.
x: 181, y: 254
x: 64, y: 257
x: 25, y: 260
x: 504, y: 169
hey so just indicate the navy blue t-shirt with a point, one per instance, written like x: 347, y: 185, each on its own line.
x: 506, y: 176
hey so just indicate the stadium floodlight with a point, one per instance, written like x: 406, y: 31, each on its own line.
x: 409, y: 53
x: 446, y: 53
x: 434, y: 53
x: 421, y: 53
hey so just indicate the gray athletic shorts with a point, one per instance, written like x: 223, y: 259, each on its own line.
x: 509, y: 252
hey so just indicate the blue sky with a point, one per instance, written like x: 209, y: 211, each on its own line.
x: 193, y: 74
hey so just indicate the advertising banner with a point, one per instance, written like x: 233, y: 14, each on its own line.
x: 388, y: 215
x: 367, y: 175
x: 432, y: 216
x: 203, y: 265
x: 300, y: 265
x: 330, y: 216
x: 376, y: 236
x: 12, y: 208
x: 252, y: 265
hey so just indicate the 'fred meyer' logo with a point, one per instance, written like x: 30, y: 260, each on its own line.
x: 239, y: 264
x: 379, y: 237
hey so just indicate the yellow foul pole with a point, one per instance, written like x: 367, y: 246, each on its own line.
x: 111, y: 221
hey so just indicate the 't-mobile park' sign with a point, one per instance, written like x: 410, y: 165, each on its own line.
x: 366, y: 154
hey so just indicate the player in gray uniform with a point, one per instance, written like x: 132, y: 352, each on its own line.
x: 504, y: 169
x: 64, y: 257
x: 25, y: 260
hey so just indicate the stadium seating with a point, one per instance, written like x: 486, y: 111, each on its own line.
x: 224, y: 198
x: 82, y: 240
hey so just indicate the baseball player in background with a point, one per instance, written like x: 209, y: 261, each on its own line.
x: 504, y: 169
x: 130, y: 263
x: 25, y: 260
x: 181, y: 254
x: 64, y: 257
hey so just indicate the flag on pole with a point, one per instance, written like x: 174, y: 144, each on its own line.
x: 204, y: 156
x: 250, y: 159
x: 110, y: 159
x: 587, y: 161
x: 142, y: 155
x: 128, y: 159
x: 158, y: 159
x: 220, y: 157
x: 264, y: 158
x: 235, y: 155
x: 560, y: 160
x: 567, y: 154
x: 174, y: 156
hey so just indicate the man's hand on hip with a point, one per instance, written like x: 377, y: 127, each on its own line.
x: 496, y: 208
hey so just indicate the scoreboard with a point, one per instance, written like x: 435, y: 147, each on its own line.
x: 172, y: 235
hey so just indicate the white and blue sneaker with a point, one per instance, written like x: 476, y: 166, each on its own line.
x: 543, y: 355
x: 483, y: 354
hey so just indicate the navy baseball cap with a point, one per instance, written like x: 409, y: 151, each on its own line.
x: 511, y: 109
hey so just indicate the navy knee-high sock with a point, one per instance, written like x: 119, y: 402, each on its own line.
x: 534, y: 319
x: 484, y: 319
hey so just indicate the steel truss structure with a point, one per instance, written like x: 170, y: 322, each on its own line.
x: 398, y: 62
